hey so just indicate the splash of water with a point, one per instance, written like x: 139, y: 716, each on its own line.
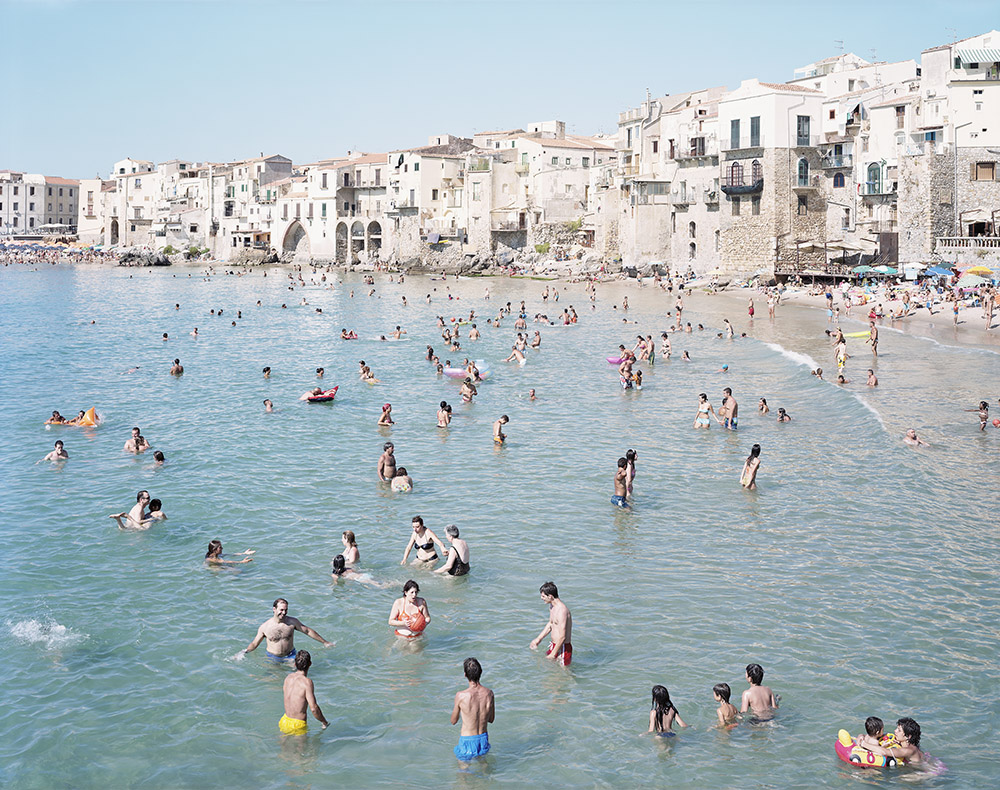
x: 50, y: 635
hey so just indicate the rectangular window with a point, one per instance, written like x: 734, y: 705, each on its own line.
x: 284, y: 211
x: 803, y: 205
x: 378, y: 176
x: 755, y: 205
x: 15, y: 190
x: 833, y: 114
x: 555, y: 160
x: 434, y: 194
x: 457, y: 197
x: 16, y: 204
x: 310, y: 212
x: 90, y: 196
x: 736, y: 206
x: 323, y: 181
x: 138, y: 213
x: 31, y: 190
x: 31, y: 207
x: 984, y: 171
x: 413, y: 199
x: 298, y: 210
x: 416, y: 166
x: 734, y: 133
x: 656, y: 146
x: 347, y: 206
x: 900, y: 117
x: 50, y: 191
x: 802, y: 130
x: 845, y: 223
x: 137, y: 183
x: 476, y: 186
x: 755, y: 131
x: 586, y: 161
x: 322, y: 210
x: 569, y: 188
x: 628, y: 137
x: 60, y: 192
x: 15, y: 222
x: 50, y: 207
x: 192, y: 228
x: 567, y: 160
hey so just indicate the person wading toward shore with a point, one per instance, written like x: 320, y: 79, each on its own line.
x: 475, y: 706
x: 299, y: 692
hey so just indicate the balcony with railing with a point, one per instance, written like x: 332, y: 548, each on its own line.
x: 701, y: 147
x: 739, y: 143
x: 521, y: 168
x: 711, y: 196
x: 968, y: 243
x: 878, y: 188
x: 837, y: 161
x: 927, y: 147
x: 479, y: 165
x: 739, y: 183
x: 806, y: 140
x: 807, y: 183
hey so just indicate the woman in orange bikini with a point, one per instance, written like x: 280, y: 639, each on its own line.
x: 409, y: 615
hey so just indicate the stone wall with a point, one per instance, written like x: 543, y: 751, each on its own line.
x: 925, y: 208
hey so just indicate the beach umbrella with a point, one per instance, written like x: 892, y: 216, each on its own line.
x: 980, y: 270
x: 940, y: 271
x: 970, y: 281
x: 863, y: 269
x: 883, y: 269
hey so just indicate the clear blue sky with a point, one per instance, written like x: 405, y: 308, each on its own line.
x: 87, y: 83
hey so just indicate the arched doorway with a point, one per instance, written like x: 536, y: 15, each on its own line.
x: 296, y: 241
x: 341, y: 247
x: 357, y: 240
x: 114, y: 232
x: 374, y: 237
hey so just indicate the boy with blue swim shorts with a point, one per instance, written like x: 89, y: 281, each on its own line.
x: 621, y: 484
x: 475, y: 707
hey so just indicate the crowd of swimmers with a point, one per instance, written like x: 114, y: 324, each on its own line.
x: 410, y: 614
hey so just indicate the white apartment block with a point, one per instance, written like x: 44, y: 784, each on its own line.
x: 36, y: 204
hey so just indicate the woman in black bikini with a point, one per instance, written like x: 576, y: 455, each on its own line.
x: 457, y: 563
x: 423, y: 539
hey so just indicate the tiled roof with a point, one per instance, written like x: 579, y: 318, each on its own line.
x: 503, y: 131
x: 784, y: 86
x: 61, y: 181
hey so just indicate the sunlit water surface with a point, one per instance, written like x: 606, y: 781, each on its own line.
x: 862, y: 574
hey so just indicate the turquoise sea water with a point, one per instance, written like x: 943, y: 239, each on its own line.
x: 862, y: 574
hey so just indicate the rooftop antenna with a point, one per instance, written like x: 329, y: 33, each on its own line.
x: 954, y: 34
x: 874, y: 55
x: 838, y: 44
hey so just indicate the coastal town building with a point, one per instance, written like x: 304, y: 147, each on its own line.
x: 35, y: 204
x: 848, y: 162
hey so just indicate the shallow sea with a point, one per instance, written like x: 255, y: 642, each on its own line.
x: 862, y: 574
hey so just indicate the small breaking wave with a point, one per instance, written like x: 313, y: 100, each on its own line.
x: 794, y: 356
x: 50, y: 635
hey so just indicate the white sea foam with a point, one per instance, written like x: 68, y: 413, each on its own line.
x: 50, y: 635
x: 809, y: 362
x: 795, y: 356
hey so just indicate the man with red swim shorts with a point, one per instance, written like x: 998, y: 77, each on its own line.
x: 559, y: 627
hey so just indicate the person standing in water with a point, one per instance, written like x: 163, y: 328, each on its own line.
x: 559, y: 627
x: 748, y: 477
x: 279, y: 631
x: 475, y: 706
x: 387, y: 463
x: 499, y: 437
x: 299, y: 693
x: 621, y: 484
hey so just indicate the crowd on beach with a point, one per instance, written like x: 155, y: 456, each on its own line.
x: 410, y: 615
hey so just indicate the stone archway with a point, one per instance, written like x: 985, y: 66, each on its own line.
x: 296, y: 240
x: 341, y: 242
x: 357, y: 241
x: 374, y: 238
x: 114, y: 232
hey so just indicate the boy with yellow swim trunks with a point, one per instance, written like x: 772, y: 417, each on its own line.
x: 299, y: 693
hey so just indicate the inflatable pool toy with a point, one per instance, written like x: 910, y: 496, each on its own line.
x: 323, y: 397
x: 857, y: 334
x: 416, y: 624
x: 859, y: 757
x: 615, y: 360
x: 88, y: 420
x: 461, y: 373
x: 89, y: 417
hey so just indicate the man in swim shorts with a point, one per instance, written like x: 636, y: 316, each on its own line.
x: 498, y: 435
x: 559, y: 628
x: 621, y: 483
x: 475, y: 706
x: 730, y: 408
x: 279, y: 632
x: 299, y: 693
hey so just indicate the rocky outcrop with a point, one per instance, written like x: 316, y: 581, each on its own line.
x: 140, y: 256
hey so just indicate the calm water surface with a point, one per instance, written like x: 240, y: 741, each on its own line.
x: 861, y: 575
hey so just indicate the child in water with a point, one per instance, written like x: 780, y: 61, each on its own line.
x: 726, y: 712
x: 662, y: 713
